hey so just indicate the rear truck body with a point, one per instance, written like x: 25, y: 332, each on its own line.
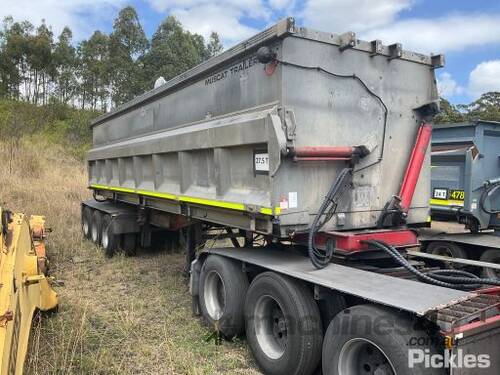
x: 24, y: 287
x: 465, y: 189
x: 308, y: 153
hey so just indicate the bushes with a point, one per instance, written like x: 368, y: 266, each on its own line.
x: 56, y: 123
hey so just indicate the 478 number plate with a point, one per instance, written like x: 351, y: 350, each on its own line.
x: 442, y: 193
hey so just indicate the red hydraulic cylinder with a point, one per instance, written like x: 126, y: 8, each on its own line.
x: 415, y: 166
x: 324, y: 152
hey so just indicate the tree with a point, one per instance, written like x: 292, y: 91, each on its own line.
x: 65, y: 65
x: 93, y: 69
x: 487, y: 107
x: 128, y: 45
x: 449, y: 113
x: 214, y: 46
x: 173, y: 51
x: 39, y: 59
x: 15, y: 52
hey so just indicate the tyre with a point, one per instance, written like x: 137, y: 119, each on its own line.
x: 368, y: 339
x: 109, y: 240
x: 491, y: 256
x: 283, y: 325
x: 129, y: 244
x: 223, y: 287
x: 447, y: 249
x: 96, y: 227
x: 86, y: 222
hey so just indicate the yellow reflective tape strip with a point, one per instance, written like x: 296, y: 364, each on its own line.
x: 157, y: 195
x: 202, y: 201
x: 266, y: 211
x: 446, y: 202
x: 210, y: 202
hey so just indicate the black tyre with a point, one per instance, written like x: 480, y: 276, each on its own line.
x: 283, y: 325
x: 368, y: 339
x: 223, y: 287
x: 447, y: 249
x: 109, y: 240
x: 129, y: 244
x: 491, y: 256
x: 96, y: 227
x: 86, y: 222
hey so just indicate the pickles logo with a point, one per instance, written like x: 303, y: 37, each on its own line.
x: 447, y: 360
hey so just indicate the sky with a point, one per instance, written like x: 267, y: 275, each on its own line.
x: 466, y: 31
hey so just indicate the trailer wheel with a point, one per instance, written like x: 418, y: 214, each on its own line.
x: 447, y: 249
x: 129, y: 244
x: 492, y: 256
x: 86, y: 222
x: 223, y: 287
x: 283, y: 325
x: 368, y: 339
x: 96, y: 227
x: 109, y: 240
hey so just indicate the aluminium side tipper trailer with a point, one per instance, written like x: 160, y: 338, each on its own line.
x: 309, y: 152
x: 465, y: 188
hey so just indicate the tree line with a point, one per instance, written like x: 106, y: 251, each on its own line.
x: 486, y: 107
x: 100, y: 72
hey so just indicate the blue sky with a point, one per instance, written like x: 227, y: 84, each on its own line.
x: 467, y: 32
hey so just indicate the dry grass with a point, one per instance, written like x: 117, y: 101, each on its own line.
x: 117, y: 316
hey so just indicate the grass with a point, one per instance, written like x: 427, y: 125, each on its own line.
x: 125, y: 315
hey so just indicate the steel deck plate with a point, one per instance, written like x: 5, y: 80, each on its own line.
x: 412, y: 296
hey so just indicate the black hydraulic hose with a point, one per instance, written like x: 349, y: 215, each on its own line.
x: 364, y: 85
x: 321, y: 258
x: 455, y: 279
x: 486, y: 193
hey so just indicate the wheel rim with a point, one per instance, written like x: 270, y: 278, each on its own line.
x: 85, y: 227
x: 362, y: 357
x: 215, y: 295
x: 270, y: 327
x: 495, y: 272
x: 443, y: 251
x: 94, y: 232
x: 105, y: 239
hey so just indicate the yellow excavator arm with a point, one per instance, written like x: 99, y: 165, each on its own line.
x: 24, y: 287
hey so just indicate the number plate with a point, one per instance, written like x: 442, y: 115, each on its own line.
x: 457, y: 195
x: 440, y: 193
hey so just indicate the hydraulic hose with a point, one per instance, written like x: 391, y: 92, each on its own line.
x: 321, y: 258
x: 364, y: 85
x: 488, y: 191
x: 455, y: 279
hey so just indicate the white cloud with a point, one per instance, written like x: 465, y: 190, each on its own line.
x: 351, y: 15
x: 454, y: 32
x: 281, y: 4
x: 60, y: 13
x: 447, y: 86
x: 224, y: 16
x: 484, y: 78
x: 208, y: 17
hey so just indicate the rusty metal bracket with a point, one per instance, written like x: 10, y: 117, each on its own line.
x: 395, y: 51
x: 437, y: 61
x: 377, y: 47
x: 347, y: 40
